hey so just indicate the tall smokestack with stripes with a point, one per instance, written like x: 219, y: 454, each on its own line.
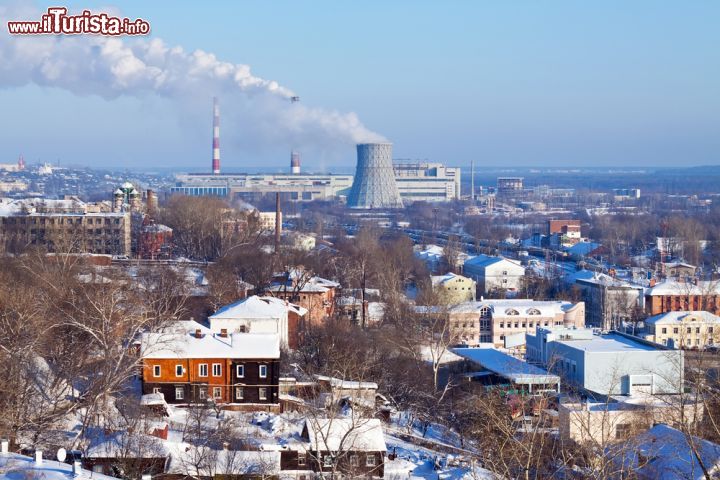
x: 216, y: 138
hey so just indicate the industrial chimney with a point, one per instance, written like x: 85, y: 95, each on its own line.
x: 374, y: 185
x: 216, y: 138
x: 295, y: 163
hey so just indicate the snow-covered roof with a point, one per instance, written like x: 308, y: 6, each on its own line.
x: 667, y: 454
x: 507, y: 366
x: 345, y: 434
x: 487, y: 260
x: 256, y: 307
x: 448, y: 277
x: 349, y: 384
x: 14, y: 466
x: 515, y: 307
x: 671, y: 287
x: 204, y: 462
x: 181, y: 342
x: 124, y: 444
x: 583, y: 248
x: 681, y: 316
x: 153, y: 399
x: 611, y: 343
x: 598, y: 278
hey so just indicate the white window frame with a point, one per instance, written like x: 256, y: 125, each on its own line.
x: 241, y: 392
x: 201, y: 367
x: 218, y: 367
x: 179, y: 368
x: 240, y: 371
x: 262, y: 371
x: 202, y: 393
x: 302, y: 459
x: 217, y: 393
x: 262, y: 393
x: 181, y: 391
x: 354, y: 461
x: 370, y: 460
x: 156, y: 389
x: 156, y: 371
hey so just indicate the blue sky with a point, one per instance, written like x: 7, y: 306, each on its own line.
x: 505, y: 83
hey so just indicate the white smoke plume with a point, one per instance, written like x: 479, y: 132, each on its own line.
x: 111, y: 67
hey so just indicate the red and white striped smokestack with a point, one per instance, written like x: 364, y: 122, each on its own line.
x: 295, y: 163
x: 216, y: 138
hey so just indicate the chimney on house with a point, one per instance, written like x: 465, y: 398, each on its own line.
x: 223, y: 332
x: 38, y: 457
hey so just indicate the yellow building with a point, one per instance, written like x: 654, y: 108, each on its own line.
x: 684, y: 329
x: 453, y: 289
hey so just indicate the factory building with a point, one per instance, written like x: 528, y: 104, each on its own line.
x: 295, y: 187
x: 509, y: 185
x: 430, y: 182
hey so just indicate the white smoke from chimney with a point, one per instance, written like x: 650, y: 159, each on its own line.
x: 111, y: 67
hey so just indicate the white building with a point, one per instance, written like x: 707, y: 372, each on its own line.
x: 494, y: 273
x: 609, y: 364
x: 430, y: 182
x: 257, y: 315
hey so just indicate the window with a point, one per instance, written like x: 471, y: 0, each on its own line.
x: 203, y: 370
x: 217, y: 369
x: 202, y: 394
x: 262, y: 393
x: 353, y: 460
x: 239, y: 393
x: 263, y: 371
x: 622, y: 431
x: 240, y: 369
x: 710, y: 329
x: 675, y: 330
x: 97, y: 468
x: 664, y: 330
x: 156, y: 370
x: 301, y: 459
x: 327, y: 461
x: 179, y: 370
x: 217, y: 393
x: 156, y: 390
x: 689, y: 330
x: 370, y: 460
x: 179, y: 393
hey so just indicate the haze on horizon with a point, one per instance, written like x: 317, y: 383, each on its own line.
x: 506, y: 84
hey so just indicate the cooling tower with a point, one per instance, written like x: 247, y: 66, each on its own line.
x: 374, y: 184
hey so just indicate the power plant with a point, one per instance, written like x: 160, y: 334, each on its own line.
x: 374, y: 184
x: 216, y: 138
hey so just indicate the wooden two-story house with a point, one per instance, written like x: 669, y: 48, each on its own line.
x: 190, y: 364
x: 353, y: 447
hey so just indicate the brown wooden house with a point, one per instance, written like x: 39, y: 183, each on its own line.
x: 192, y: 364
